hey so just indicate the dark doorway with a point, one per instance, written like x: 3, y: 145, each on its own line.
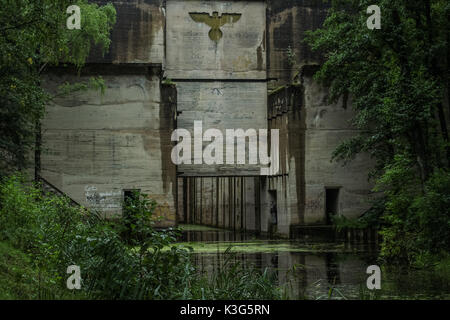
x: 331, y: 203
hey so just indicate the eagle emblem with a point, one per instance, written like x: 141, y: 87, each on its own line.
x: 215, y: 22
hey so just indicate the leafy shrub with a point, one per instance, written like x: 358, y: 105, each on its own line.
x: 57, y: 235
x: 433, y: 213
x: 417, y: 221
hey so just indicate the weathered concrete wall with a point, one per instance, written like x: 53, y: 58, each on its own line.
x: 310, y: 132
x: 220, y: 78
x: 287, y: 22
x: 95, y: 146
x: 285, y: 113
x: 326, y: 127
x: 137, y: 36
x: 202, y: 67
x: 221, y: 105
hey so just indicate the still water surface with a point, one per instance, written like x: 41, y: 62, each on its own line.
x: 310, y: 269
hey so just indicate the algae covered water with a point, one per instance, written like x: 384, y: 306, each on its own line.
x: 311, y: 270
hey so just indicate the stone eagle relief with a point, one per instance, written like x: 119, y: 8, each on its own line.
x: 215, y: 22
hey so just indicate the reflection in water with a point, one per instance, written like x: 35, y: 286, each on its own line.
x: 309, y: 270
x: 332, y: 269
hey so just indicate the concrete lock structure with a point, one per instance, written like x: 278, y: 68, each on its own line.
x: 230, y: 64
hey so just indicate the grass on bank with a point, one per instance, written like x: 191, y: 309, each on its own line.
x: 20, y: 281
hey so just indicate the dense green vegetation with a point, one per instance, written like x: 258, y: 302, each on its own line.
x: 398, y: 79
x: 126, y: 258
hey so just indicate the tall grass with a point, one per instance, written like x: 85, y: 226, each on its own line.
x: 235, y: 281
